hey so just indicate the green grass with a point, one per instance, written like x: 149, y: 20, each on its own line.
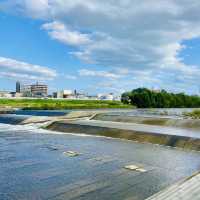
x: 51, y: 104
x: 195, y: 114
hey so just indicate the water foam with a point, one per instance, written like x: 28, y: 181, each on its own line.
x: 36, y: 128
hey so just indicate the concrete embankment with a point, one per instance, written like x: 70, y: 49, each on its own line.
x: 188, y: 189
x: 7, y: 117
x: 115, y: 131
x: 74, y: 115
x: 161, y: 121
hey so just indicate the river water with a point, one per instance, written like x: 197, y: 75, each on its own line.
x: 33, y: 165
x: 131, y: 112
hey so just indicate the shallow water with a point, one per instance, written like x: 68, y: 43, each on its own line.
x: 42, y: 112
x: 153, y: 112
x: 12, y: 118
x: 33, y: 166
x: 159, y: 112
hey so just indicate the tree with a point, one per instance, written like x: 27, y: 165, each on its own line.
x: 145, y: 98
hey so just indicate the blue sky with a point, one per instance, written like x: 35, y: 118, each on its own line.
x: 101, y: 46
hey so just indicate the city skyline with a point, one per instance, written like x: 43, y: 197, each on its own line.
x: 41, y: 91
x: 55, y: 43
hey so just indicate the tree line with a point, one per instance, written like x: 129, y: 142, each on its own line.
x: 145, y: 98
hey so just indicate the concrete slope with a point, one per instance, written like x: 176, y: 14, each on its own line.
x: 142, y: 127
x: 170, y: 121
x: 188, y: 189
x: 142, y: 133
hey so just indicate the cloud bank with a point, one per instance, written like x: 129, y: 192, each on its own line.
x: 95, y: 73
x: 144, y: 37
x: 21, y: 70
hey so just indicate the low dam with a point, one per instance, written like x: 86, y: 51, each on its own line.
x: 169, y: 131
x: 151, y: 120
x: 66, y: 157
x: 128, y: 131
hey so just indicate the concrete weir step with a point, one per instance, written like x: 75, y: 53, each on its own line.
x: 188, y: 189
x: 167, y: 121
x: 173, y: 137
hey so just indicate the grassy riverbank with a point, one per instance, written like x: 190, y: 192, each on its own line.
x: 54, y: 104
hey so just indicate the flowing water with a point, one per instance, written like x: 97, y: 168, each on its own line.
x: 12, y: 118
x: 42, y: 112
x: 33, y: 165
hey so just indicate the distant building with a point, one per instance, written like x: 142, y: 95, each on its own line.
x: 92, y: 97
x: 34, y: 90
x: 17, y: 95
x: 26, y: 90
x: 18, y: 87
x: 55, y: 95
x: 5, y: 94
x: 106, y: 96
x: 117, y: 98
x: 59, y: 94
x: 39, y: 90
x: 67, y: 93
x: 63, y: 94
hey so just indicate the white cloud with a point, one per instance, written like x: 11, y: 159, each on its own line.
x: 17, y: 76
x: 70, y: 77
x: 93, y: 73
x: 62, y: 33
x: 32, y: 8
x: 17, y: 69
x: 133, y: 34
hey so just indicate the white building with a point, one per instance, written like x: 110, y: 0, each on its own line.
x: 18, y: 95
x: 5, y: 94
x: 34, y: 90
x: 26, y: 90
x: 106, y: 97
x: 64, y: 94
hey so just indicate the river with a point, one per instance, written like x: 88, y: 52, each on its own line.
x: 34, y: 166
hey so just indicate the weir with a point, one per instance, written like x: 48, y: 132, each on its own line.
x: 156, y: 120
x: 174, y: 132
x: 117, y: 131
x: 38, y: 164
x: 67, y: 165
